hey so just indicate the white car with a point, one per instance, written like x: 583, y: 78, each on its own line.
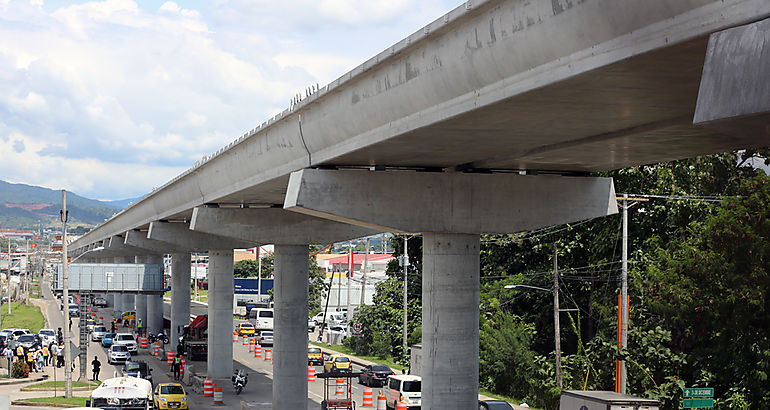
x: 47, y: 336
x: 98, y: 333
x: 127, y: 340
x: 118, y: 354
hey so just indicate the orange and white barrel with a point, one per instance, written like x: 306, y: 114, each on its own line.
x: 381, y: 401
x: 258, y: 351
x: 218, y: 396
x: 268, y: 355
x: 182, y: 369
x: 368, y: 397
x: 311, y: 374
x: 235, y: 336
x: 401, y: 405
x: 170, y: 358
x: 208, y: 387
x: 143, y: 342
x: 340, y: 390
x: 157, y: 349
x: 251, y: 345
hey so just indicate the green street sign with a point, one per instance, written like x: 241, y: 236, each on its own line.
x: 692, y: 392
x: 698, y: 403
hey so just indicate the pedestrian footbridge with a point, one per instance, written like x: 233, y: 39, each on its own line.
x: 111, y: 278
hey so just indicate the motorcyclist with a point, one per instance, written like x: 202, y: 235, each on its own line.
x: 240, y: 378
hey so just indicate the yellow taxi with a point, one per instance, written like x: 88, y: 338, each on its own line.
x: 337, y: 363
x: 245, y: 329
x: 169, y: 396
x: 128, y: 315
x: 314, y: 356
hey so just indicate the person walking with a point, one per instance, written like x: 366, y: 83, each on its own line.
x: 60, y: 356
x: 70, y: 326
x: 46, y: 355
x: 59, y: 337
x: 96, y: 365
x: 177, y: 366
x: 31, y: 360
x: 139, y: 328
x: 40, y: 360
x: 8, y: 354
x: 112, y: 326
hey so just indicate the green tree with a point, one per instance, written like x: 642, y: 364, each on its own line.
x: 246, y: 269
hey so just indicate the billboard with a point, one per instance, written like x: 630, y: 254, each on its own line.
x: 250, y: 286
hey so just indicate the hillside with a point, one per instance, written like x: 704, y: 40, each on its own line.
x: 27, y: 206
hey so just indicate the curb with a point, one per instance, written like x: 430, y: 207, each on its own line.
x: 42, y: 404
x: 22, y: 381
x: 57, y: 389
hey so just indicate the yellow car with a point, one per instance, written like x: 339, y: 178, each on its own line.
x: 314, y: 356
x: 337, y: 363
x: 169, y: 396
x: 245, y: 329
x: 128, y: 315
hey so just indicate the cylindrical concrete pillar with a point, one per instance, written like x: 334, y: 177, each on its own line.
x: 180, y: 294
x: 450, y: 317
x: 141, y: 309
x: 220, y: 321
x: 128, y: 301
x: 290, y: 359
x: 154, y: 322
x: 155, y: 314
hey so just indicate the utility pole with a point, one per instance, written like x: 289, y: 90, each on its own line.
x: 363, y: 278
x: 557, y: 333
x: 9, y: 275
x: 406, y: 271
x: 65, y: 296
x: 350, y: 275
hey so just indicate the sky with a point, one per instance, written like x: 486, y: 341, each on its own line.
x: 109, y: 99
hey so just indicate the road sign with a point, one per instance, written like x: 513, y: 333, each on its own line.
x: 74, y: 351
x: 698, y: 403
x: 690, y: 392
x: 357, y: 327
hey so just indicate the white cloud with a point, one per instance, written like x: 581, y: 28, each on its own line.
x: 129, y: 90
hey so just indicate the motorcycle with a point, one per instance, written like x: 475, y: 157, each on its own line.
x: 160, y: 337
x: 240, y: 378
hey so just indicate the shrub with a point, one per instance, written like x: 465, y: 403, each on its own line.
x: 19, y: 369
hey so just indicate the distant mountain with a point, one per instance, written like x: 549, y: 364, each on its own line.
x: 123, y: 203
x: 27, y: 206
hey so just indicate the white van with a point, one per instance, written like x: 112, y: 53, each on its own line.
x: 406, y: 385
x: 122, y: 393
x: 263, y: 318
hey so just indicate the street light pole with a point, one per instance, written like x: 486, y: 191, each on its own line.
x: 557, y: 333
x: 406, y: 270
x: 65, y: 296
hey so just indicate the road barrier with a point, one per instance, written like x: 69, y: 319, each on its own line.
x: 245, y: 340
x: 157, y: 349
x: 340, y: 390
x: 257, y: 351
x: 218, y: 396
x: 401, y: 405
x: 170, y: 358
x: 268, y: 355
x: 181, y: 370
x: 251, y: 345
x: 235, y: 336
x: 381, y: 401
x: 208, y: 387
x: 143, y: 342
x: 368, y: 402
x: 311, y: 374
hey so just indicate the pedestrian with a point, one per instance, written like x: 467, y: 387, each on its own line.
x: 177, y: 366
x: 59, y: 337
x: 70, y: 326
x: 46, y: 355
x: 31, y: 360
x: 8, y: 354
x: 139, y: 328
x: 60, y: 356
x: 112, y: 326
x: 40, y: 360
x: 20, y: 353
x: 96, y: 365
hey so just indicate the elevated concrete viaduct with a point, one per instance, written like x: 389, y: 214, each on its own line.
x: 491, y: 118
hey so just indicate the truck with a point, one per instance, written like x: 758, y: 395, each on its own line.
x: 604, y: 400
x: 122, y: 393
x: 194, y: 339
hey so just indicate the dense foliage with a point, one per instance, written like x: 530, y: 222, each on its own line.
x: 698, y: 280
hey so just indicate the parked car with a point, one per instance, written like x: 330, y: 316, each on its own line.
x: 107, y: 339
x: 100, y: 302
x: 265, y: 338
x: 138, y: 369
x: 314, y: 356
x: 118, y: 354
x: 337, y: 363
x: 374, y: 375
x: 98, y: 333
x: 494, y: 405
x: 405, y: 385
x: 47, y: 336
x: 169, y: 396
x: 126, y: 339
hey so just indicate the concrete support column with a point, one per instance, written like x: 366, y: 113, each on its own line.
x: 154, y: 322
x: 450, y: 317
x: 290, y: 360
x: 180, y: 294
x: 128, y: 301
x: 141, y: 308
x: 220, y: 321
